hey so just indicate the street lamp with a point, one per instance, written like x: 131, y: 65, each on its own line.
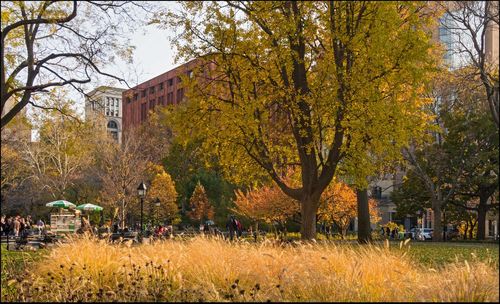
x: 141, y: 191
x: 157, y: 204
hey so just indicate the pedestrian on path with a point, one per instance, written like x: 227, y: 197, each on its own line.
x: 41, y: 226
x: 17, y: 226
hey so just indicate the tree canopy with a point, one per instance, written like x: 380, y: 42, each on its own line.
x: 307, y: 85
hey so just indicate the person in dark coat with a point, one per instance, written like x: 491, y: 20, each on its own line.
x: 231, y: 226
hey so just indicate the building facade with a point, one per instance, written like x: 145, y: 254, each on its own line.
x: 107, y: 101
x: 162, y: 90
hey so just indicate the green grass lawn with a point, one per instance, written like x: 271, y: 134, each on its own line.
x: 14, y: 263
x: 438, y: 254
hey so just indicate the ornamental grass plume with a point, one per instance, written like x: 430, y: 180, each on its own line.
x: 206, y: 269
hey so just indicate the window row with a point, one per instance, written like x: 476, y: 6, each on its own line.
x: 160, y: 101
x: 112, y: 102
x: 114, y: 113
x: 160, y: 86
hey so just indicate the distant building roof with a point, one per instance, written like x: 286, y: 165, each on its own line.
x: 105, y: 89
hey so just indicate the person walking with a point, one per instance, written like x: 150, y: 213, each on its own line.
x: 8, y: 226
x: 231, y: 226
x: 2, y: 225
x: 29, y: 222
x: 239, y: 228
x: 16, y: 226
x: 40, y: 226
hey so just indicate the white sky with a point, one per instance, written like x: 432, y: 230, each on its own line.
x: 153, y: 55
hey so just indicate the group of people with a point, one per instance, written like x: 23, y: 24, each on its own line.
x: 18, y: 226
x: 390, y: 234
x: 234, y: 227
x: 163, y: 231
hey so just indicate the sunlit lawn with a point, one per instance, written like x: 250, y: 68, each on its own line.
x: 215, y: 270
x: 439, y: 254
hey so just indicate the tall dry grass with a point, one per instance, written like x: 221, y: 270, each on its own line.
x: 203, y: 269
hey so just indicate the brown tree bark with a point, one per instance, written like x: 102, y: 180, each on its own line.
x: 471, y: 230
x: 308, y: 217
x: 482, y: 210
x: 437, y: 235
x: 466, y: 229
x: 364, y: 229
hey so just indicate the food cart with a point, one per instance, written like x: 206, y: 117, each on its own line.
x: 66, y: 219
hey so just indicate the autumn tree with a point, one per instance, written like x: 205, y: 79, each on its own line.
x: 49, y: 44
x: 57, y: 159
x: 201, y: 209
x: 460, y: 167
x: 162, y: 190
x: 338, y: 206
x: 302, y: 84
x: 266, y: 203
x: 121, y: 168
x: 471, y: 28
x: 13, y: 170
x: 460, y: 153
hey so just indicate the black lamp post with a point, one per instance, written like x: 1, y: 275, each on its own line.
x: 141, y: 191
x: 157, y: 204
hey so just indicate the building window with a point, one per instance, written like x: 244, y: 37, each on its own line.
x: 136, y: 96
x: 107, y: 101
x: 377, y: 192
x: 180, y: 95
x: 159, y: 101
x: 179, y: 79
x: 143, y: 111
x: 129, y: 99
x: 190, y: 74
x: 114, y: 134
x: 151, y: 90
x: 170, y: 98
x: 112, y: 124
x: 143, y: 93
x: 170, y: 82
x: 161, y: 85
x: 152, y: 104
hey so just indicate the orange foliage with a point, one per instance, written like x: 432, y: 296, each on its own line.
x: 338, y: 205
x: 266, y: 204
x: 201, y: 208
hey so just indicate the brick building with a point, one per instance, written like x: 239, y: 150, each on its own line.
x: 162, y: 90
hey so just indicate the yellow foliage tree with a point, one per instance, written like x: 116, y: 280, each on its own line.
x: 310, y: 85
x: 162, y: 190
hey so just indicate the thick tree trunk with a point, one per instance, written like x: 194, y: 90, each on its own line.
x: 364, y: 229
x: 482, y: 210
x: 471, y: 230
x: 308, y: 216
x: 437, y: 235
x: 466, y: 229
